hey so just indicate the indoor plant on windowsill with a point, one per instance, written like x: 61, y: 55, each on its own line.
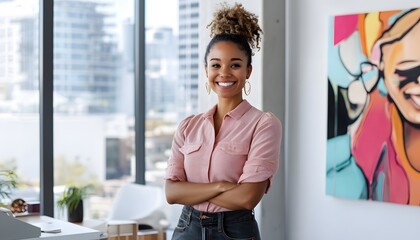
x: 72, y: 199
x: 8, y: 182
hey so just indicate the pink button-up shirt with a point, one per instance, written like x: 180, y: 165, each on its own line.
x: 246, y: 149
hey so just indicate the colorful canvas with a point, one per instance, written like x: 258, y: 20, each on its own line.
x: 373, y: 142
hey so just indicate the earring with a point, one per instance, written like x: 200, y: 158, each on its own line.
x: 208, y: 88
x: 247, y: 92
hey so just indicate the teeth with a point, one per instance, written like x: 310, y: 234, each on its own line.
x: 225, y: 84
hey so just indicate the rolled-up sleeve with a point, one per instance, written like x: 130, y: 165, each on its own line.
x: 264, y: 154
x: 175, y: 170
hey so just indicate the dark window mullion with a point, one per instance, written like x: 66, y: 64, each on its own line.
x: 46, y: 107
x: 139, y: 94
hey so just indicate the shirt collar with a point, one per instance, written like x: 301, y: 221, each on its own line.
x: 236, y: 113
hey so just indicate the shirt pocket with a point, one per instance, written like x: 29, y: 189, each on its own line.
x: 193, y: 159
x: 234, y: 148
x: 190, y: 148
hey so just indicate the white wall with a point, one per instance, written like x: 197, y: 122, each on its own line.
x: 310, y: 213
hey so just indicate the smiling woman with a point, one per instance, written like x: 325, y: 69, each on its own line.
x: 400, y: 63
x: 373, y: 148
x: 222, y: 161
x: 388, y: 153
x: 227, y: 71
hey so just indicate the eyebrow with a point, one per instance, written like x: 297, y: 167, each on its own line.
x: 411, y: 71
x: 232, y: 59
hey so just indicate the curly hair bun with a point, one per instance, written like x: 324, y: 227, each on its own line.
x: 236, y: 20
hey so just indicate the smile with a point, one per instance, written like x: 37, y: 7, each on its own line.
x: 225, y: 84
x: 413, y: 95
x: 415, y: 99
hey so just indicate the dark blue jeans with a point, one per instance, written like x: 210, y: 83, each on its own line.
x: 231, y: 225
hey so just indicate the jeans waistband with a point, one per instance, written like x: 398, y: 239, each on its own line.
x: 208, y: 218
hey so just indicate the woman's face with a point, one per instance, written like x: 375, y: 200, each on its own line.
x: 227, y: 70
x: 401, y: 61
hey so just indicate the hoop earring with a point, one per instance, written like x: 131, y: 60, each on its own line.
x: 247, y: 92
x: 208, y: 88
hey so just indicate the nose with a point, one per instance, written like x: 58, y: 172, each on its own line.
x: 225, y: 72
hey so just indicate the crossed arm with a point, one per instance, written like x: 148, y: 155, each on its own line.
x: 225, y: 194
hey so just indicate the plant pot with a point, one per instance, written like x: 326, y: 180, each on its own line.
x: 76, y: 216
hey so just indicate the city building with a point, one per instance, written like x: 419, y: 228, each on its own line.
x: 86, y: 62
x: 189, y: 55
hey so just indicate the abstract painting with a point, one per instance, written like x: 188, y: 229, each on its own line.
x: 373, y: 139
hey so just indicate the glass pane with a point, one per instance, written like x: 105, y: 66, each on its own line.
x: 19, y: 98
x: 93, y: 99
x: 172, y: 67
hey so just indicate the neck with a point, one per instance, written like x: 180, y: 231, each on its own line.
x: 225, y: 106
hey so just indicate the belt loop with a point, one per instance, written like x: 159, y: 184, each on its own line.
x: 220, y: 221
x: 189, y: 213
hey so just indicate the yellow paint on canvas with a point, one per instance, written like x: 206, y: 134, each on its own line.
x: 372, y: 29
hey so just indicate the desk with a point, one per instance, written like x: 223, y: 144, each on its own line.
x: 69, y: 231
x: 126, y: 229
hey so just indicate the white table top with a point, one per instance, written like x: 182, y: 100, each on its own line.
x: 69, y: 231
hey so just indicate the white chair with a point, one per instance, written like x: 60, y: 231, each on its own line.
x: 173, y: 212
x: 141, y: 204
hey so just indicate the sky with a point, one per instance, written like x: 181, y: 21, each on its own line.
x: 159, y: 13
x: 162, y: 13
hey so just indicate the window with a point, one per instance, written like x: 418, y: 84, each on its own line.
x: 161, y: 85
x: 19, y: 95
x: 93, y: 93
x: 169, y: 95
x: 94, y: 107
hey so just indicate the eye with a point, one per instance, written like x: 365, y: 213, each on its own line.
x: 235, y: 65
x: 407, y: 76
x: 411, y: 73
x: 215, y: 65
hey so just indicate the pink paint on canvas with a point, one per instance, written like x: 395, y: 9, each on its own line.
x: 344, y: 26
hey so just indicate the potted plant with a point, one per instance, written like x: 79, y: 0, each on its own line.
x: 8, y: 182
x: 72, y: 199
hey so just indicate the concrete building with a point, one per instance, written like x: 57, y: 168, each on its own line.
x: 189, y: 55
